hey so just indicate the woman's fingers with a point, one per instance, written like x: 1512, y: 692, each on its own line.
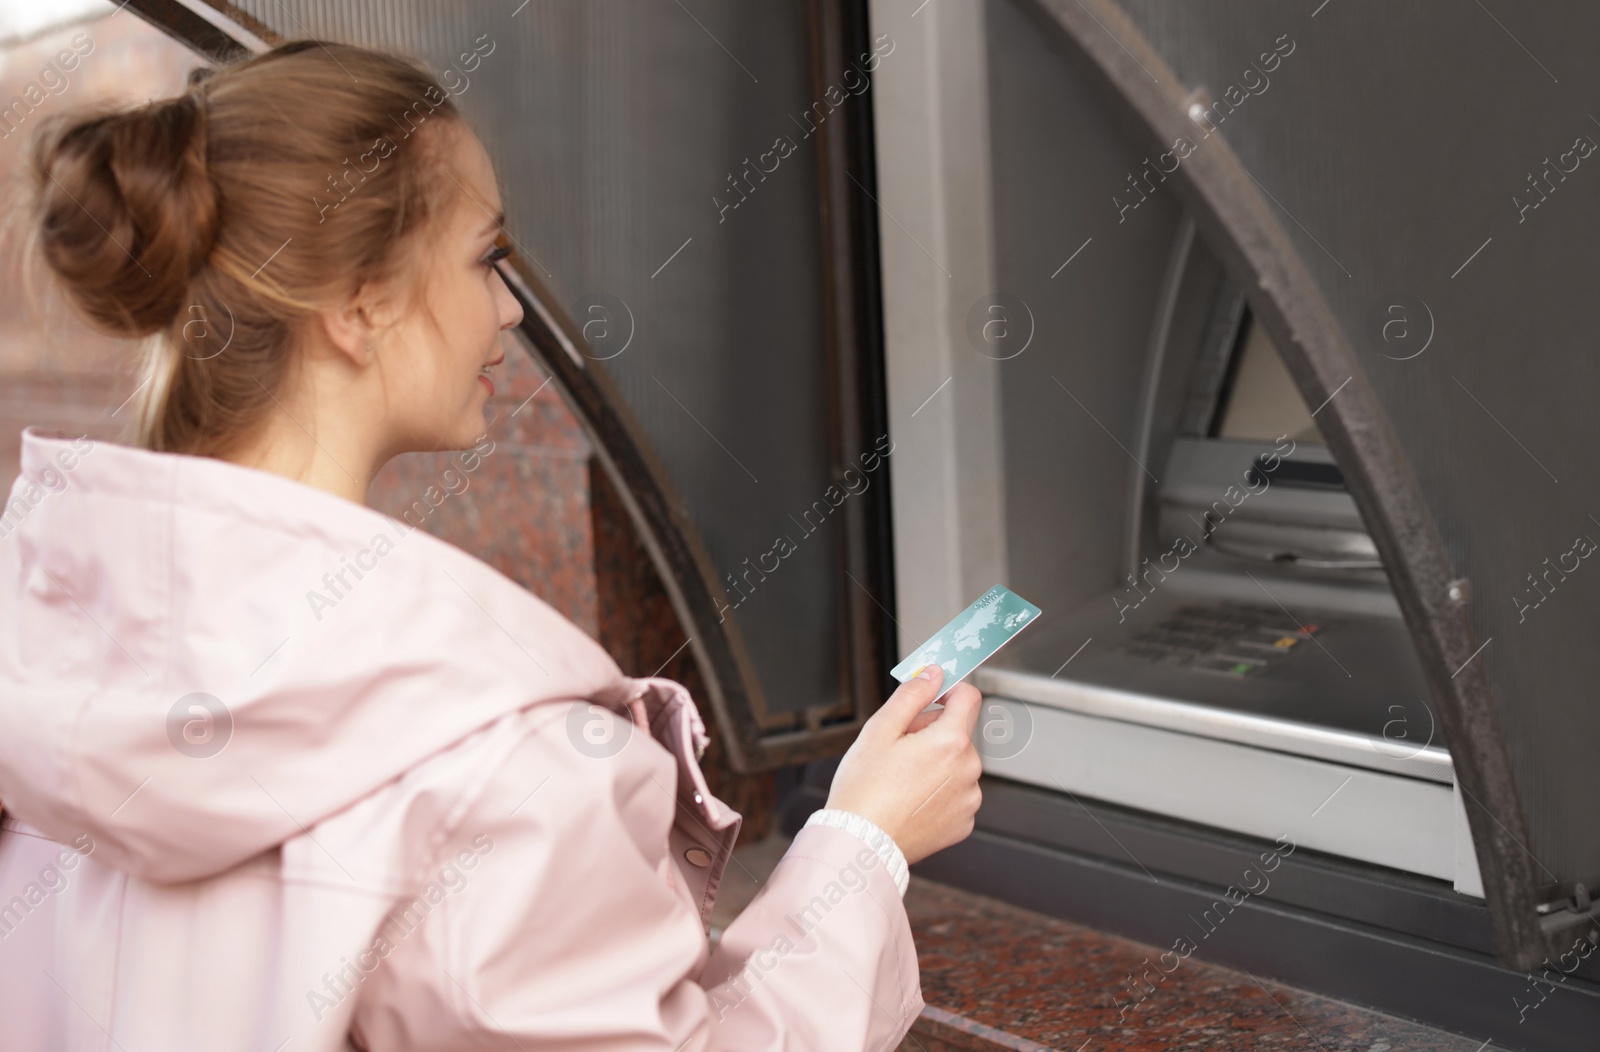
x: 913, y: 770
x: 962, y: 706
x: 932, y: 715
x: 912, y: 696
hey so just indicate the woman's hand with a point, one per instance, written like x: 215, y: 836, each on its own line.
x: 912, y: 773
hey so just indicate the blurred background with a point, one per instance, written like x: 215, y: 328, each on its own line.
x: 53, y: 371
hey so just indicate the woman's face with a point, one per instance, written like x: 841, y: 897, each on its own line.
x: 437, y: 379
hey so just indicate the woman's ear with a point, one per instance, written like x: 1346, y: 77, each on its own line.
x: 352, y: 325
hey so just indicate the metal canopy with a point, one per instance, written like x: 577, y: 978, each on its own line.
x: 1337, y: 187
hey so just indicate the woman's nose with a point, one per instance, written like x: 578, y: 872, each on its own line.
x: 510, y: 309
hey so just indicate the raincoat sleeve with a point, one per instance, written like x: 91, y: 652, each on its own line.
x: 575, y: 928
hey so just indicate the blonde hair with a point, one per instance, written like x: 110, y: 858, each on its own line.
x: 214, y: 223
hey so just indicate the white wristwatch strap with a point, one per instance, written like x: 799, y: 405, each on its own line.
x: 869, y: 833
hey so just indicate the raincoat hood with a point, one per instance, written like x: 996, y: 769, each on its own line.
x: 191, y: 670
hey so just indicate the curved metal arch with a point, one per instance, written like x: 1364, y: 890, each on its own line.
x: 657, y: 513
x: 215, y: 31
x: 1256, y: 251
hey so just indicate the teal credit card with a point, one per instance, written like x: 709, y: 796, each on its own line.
x: 971, y: 637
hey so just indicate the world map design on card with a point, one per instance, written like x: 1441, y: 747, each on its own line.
x: 971, y: 637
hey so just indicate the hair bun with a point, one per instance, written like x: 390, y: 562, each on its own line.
x: 126, y: 211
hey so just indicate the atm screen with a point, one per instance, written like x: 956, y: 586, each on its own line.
x: 1259, y: 401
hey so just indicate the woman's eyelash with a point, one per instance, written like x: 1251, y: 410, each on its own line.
x: 500, y: 252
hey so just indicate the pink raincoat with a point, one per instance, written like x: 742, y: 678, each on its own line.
x: 283, y: 774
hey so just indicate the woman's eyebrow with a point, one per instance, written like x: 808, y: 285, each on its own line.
x: 496, y: 221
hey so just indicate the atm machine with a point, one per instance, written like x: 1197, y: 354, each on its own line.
x: 1250, y: 652
x: 1248, y: 343
x: 1264, y: 398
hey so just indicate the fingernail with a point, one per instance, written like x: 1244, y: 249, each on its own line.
x: 927, y: 672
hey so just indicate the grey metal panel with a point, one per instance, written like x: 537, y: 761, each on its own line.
x: 614, y: 128
x: 1070, y: 401
x: 1354, y: 812
x: 1398, y: 141
x: 1299, y: 738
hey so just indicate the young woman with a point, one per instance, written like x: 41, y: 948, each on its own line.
x: 424, y: 812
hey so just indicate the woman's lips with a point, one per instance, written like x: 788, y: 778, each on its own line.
x: 488, y: 383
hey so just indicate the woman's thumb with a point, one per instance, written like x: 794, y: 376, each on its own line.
x: 910, y: 698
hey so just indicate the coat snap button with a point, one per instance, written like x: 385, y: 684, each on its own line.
x: 698, y: 856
